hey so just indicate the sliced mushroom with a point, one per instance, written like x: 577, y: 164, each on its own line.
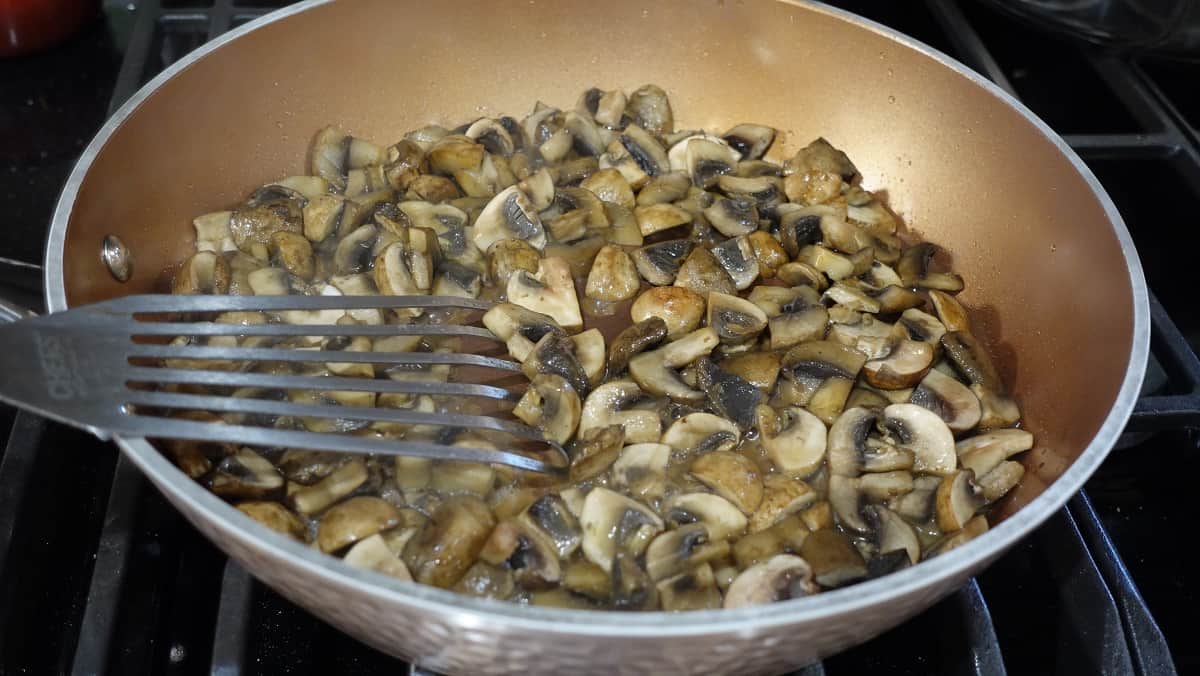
x: 613, y: 276
x: 847, y: 441
x: 640, y: 470
x: 803, y: 324
x: 353, y: 252
x: 589, y: 350
x: 728, y: 394
x: 820, y: 360
x: 834, y: 559
x: 633, y: 340
x: 608, y: 405
x: 525, y: 550
x: 551, y: 406
x: 675, y: 551
x: 632, y: 587
x: 733, y: 216
x: 957, y: 500
x: 883, y: 486
x: 644, y: 150
x: 520, y: 328
x: 492, y: 136
x: 969, y: 357
x: 487, y: 581
x: 737, y: 257
x: 833, y: 264
x: 925, y: 434
x: 202, y: 272
x: 669, y: 187
x: 551, y: 291
x: 851, y: 297
x: 509, y: 215
x: 649, y: 107
x: 794, y: 440
x: 653, y: 371
x: 801, y: 274
x: 659, y: 217
x: 735, y: 320
x: 917, y: 505
x: 659, y: 263
x: 596, y: 452
x: 245, y: 475
x: 695, y: 589
x: 719, y: 516
x: 903, y: 364
x: 408, y: 266
x: 613, y: 523
x: 274, y: 516
x: 913, y: 268
x: 998, y: 482
x: 768, y: 252
x: 751, y: 140
x: 339, y: 483
x: 681, y: 309
x: 995, y: 409
x: 779, y: 578
x: 971, y: 530
x: 732, y: 476
x: 760, y: 369
x: 705, y: 159
x: 892, y: 533
x: 550, y: 514
x: 984, y: 452
x: 587, y: 579
x: 782, y: 496
x: 539, y: 188
x: 453, y: 153
x: 949, y: 399
x: 555, y: 354
x: 624, y: 229
x: 373, y: 553
x: 701, y: 432
x: 352, y: 520
x: 610, y: 186
x: 951, y: 313
x: 817, y: 172
x: 445, y: 547
x: 402, y: 164
x: 702, y: 273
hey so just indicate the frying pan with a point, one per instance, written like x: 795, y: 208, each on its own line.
x: 1051, y: 272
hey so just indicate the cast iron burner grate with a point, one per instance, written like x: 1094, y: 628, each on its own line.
x: 100, y: 575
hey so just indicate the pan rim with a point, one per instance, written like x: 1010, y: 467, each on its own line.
x: 470, y: 611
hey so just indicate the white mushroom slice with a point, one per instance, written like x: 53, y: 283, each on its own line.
x: 539, y: 188
x: 736, y: 255
x: 612, y: 522
x: 913, y: 268
x: 735, y: 320
x: 212, y: 232
x: 996, y: 483
x: 751, y: 140
x: 834, y: 559
x: 607, y: 405
x: 903, y: 364
x: 645, y: 151
x: 835, y: 265
x: 847, y: 441
x: 972, y: 529
x: 708, y: 158
x: 509, y: 215
x: 677, y: 550
x: 892, y: 533
x: 720, y: 517
x: 613, y: 276
x: 983, y: 452
x: 374, y: 554
x: 670, y: 187
x: 681, y: 309
x: 782, y: 496
x: 880, y: 276
x: 701, y: 432
x: 779, y: 578
x: 658, y: 217
x: 677, y: 156
x: 659, y: 263
x: 550, y: 405
x: 733, y: 216
x: 996, y: 410
x: 525, y: 550
x: 641, y: 470
x: 957, y: 500
x: 518, y: 327
x: 925, y: 434
x: 654, y: 371
x: 551, y: 291
x: 883, y: 486
x: 492, y: 136
x: 951, y: 313
x: 693, y: 589
x: 732, y: 476
x: 778, y: 300
x: 552, y: 515
x: 952, y: 401
x: 916, y: 325
x: 917, y: 504
x: 846, y: 500
x: 313, y: 499
x: 589, y: 350
x: 851, y: 297
x: 794, y: 439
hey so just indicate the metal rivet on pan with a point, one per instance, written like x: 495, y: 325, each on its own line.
x: 117, y: 258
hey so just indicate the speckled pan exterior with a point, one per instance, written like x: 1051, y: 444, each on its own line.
x: 1052, y: 274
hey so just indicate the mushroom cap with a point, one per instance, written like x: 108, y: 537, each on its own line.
x: 794, y: 439
x: 607, y: 405
x: 681, y: 309
x: 550, y: 405
x: 550, y: 291
x: 720, y: 517
x: 609, y: 520
x: 952, y: 401
x: 701, y: 430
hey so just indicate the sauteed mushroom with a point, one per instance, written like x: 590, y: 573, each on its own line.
x: 798, y: 403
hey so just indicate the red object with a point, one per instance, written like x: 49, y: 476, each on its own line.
x: 29, y: 25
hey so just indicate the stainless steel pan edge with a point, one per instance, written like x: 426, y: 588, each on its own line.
x: 455, y: 633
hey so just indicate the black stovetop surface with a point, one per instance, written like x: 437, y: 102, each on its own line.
x: 98, y: 573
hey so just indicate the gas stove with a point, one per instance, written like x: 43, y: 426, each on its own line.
x: 99, y: 575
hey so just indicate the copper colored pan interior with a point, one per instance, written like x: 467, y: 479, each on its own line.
x: 1044, y: 271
